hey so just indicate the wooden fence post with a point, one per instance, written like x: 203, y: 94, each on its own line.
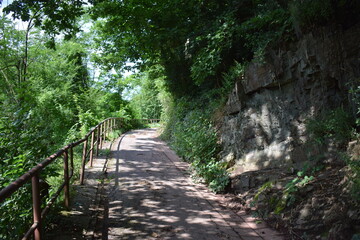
x: 72, y: 160
x: 97, y: 140
x: 92, y: 147
x: 105, y: 130
x: 83, y: 162
x: 36, y: 205
x: 110, y: 126
x: 101, y: 134
x: 66, y: 180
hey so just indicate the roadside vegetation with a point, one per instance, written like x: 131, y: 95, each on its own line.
x: 49, y: 97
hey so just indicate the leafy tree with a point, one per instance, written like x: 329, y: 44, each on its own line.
x: 40, y: 112
x: 146, y: 100
x: 52, y: 16
x: 11, y: 42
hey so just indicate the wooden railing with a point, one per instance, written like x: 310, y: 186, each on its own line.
x: 147, y: 120
x: 92, y: 142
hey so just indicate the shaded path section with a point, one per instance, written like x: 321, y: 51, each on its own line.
x: 150, y: 196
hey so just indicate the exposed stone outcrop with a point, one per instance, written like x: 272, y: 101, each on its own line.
x: 264, y: 122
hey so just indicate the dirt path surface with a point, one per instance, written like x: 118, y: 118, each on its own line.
x: 149, y: 195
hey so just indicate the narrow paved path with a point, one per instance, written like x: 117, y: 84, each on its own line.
x: 149, y: 195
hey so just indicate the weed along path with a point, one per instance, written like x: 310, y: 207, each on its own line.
x: 143, y: 191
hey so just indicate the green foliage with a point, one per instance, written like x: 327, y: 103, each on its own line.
x: 309, y: 14
x: 264, y: 197
x: 352, y: 162
x: 208, y: 60
x: 16, y: 209
x: 354, y: 175
x: 293, y: 187
x: 10, y: 67
x: 270, y: 24
x: 268, y: 199
x: 265, y: 187
x: 335, y: 125
x: 194, y: 41
x: 289, y: 194
x: 43, y: 108
x: 52, y: 16
x: 146, y: 101
x: 193, y: 137
x: 234, y: 74
x: 355, y: 189
x: 183, y: 49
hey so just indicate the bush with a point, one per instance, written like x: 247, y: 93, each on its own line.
x: 193, y: 137
x: 354, y: 175
x: 309, y: 14
x: 335, y: 125
x: 270, y: 24
x: 306, y: 13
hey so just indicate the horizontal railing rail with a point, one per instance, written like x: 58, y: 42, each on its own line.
x: 92, y: 142
x: 148, y: 120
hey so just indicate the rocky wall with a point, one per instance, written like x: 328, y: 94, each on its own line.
x: 264, y: 119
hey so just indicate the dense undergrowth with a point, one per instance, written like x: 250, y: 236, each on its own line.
x: 192, y: 135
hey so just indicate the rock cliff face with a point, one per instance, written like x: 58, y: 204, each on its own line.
x: 264, y: 121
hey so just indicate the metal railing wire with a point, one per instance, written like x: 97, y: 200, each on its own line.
x: 92, y: 142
